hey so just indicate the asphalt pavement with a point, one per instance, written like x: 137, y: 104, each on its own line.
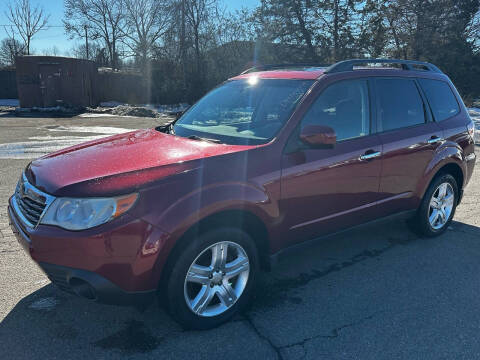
x: 377, y: 292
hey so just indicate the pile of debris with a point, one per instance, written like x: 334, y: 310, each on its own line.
x: 8, y: 105
x: 475, y: 116
x: 126, y: 110
x: 7, y: 108
x: 110, y: 108
x: 114, y: 108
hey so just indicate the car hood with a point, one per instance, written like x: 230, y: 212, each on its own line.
x: 136, y: 157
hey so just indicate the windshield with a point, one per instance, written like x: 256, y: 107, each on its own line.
x: 249, y: 111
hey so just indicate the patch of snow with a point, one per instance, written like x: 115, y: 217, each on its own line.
x: 9, y: 102
x: 41, y: 145
x: 57, y: 138
x: 42, y: 282
x: 35, y: 149
x: 475, y: 115
x: 106, y: 130
x: 95, y: 115
x: 161, y: 109
x: 474, y: 112
x: 44, y: 304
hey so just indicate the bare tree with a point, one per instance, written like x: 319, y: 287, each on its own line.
x: 53, y: 51
x: 102, y: 17
x: 146, y: 21
x: 187, y: 40
x: 80, y: 51
x: 27, y: 20
x: 9, y: 49
x: 198, y: 14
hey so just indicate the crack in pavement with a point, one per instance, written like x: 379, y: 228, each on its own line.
x: 334, y: 333
x: 9, y: 251
x: 285, y: 285
x: 249, y: 321
x: 276, y: 291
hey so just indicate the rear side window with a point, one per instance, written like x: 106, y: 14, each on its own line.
x: 399, y: 104
x: 440, y: 96
x: 344, y: 106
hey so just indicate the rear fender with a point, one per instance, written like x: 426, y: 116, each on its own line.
x: 448, y: 153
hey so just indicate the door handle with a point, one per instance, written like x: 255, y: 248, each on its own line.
x: 434, y: 139
x: 370, y: 155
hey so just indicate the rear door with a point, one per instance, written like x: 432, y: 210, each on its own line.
x: 409, y: 137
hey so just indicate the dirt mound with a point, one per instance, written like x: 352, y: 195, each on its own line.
x: 126, y: 110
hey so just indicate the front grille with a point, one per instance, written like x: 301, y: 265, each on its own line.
x: 29, y: 202
x: 31, y: 209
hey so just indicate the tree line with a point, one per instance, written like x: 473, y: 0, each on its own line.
x: 185, y: 47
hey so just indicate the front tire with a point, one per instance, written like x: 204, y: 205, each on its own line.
x: 438, y: 206
x: 212, y: 278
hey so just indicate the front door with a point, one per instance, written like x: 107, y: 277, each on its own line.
x: 324, y: 190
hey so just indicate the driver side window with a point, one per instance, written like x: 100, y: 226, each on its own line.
x: 343, y: 106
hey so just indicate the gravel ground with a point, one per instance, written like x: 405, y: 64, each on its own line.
x: 378, y: 292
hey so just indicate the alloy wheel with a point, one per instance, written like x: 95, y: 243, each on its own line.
x: 441, y: 205
x: 216, y: 279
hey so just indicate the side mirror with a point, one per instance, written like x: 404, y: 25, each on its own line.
x: 318, y: 136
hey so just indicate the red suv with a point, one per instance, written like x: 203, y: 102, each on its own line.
x: 270, y: 158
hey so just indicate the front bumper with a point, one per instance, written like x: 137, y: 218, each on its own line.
x: 92, y: 286
x: 108, y: 265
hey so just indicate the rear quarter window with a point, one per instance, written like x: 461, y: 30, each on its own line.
x: 441, y: 98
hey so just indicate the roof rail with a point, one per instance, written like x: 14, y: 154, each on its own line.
x: 347, y: 65
x: 283, y: 66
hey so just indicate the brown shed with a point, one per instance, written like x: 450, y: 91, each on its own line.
x: 47, y: 81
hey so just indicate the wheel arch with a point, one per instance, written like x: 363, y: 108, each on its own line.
x: 238, y: 218
x: 453, y: 168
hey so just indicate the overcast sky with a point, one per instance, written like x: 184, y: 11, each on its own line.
x: 55, y: 34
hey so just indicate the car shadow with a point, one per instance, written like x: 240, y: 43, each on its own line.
x: 50, y: 323
x: 330, y: 255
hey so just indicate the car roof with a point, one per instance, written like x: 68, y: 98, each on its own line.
x: 313, y: 71
x: 308, y: 73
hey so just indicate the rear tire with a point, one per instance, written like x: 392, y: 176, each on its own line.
x: 438, y: 206
x: 212, y: 279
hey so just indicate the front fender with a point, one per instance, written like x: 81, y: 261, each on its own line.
x: 188, y: 210
x: 199, y: 204
x: 447, y: 153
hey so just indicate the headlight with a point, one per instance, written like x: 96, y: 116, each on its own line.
x: 80, y: 214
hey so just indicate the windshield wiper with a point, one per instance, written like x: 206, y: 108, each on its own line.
x: 195, y: 137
